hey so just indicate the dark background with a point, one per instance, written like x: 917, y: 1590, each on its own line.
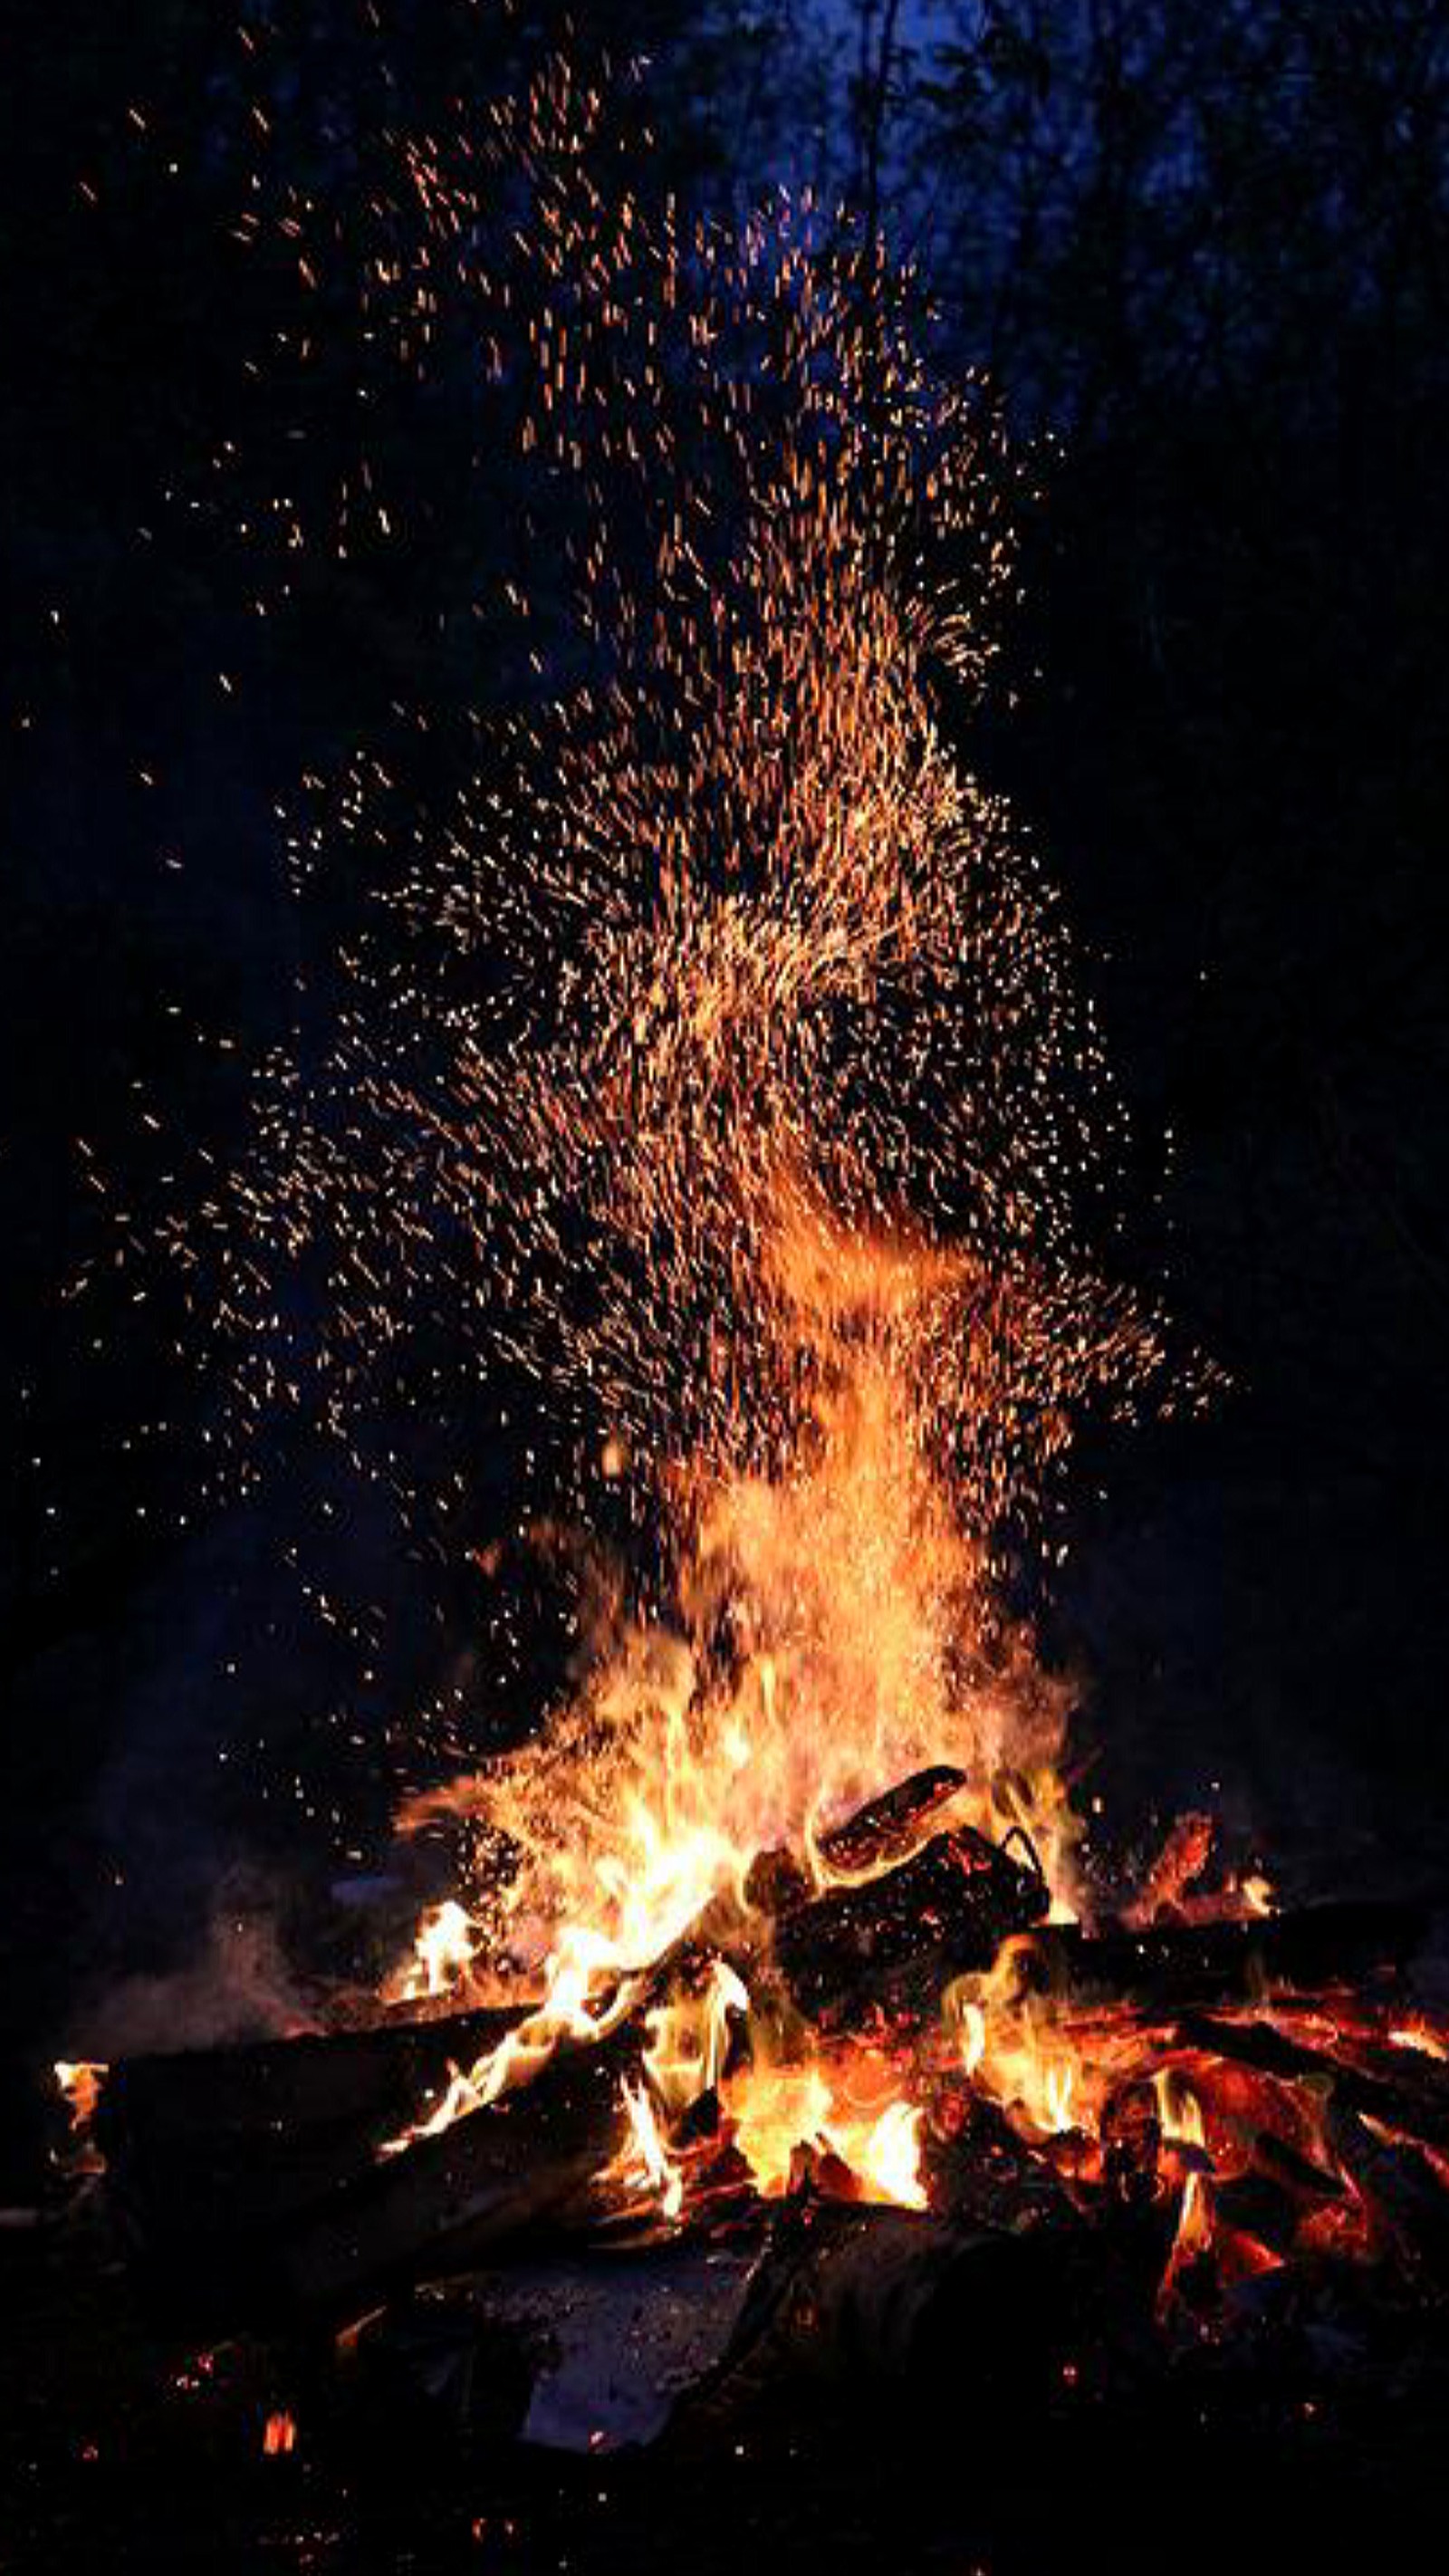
x: 1205, y: 255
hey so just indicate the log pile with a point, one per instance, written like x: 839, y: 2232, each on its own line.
x: 252, y: 2186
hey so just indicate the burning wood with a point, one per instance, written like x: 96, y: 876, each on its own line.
x: 260, y: 2164
x: 914, y: 2035
x: 949, y: 1907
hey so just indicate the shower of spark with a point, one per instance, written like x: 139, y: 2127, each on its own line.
x: 717, y: 1066
x: 719, y: 1063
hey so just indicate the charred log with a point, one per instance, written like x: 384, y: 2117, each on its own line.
x: 876, y: 1837
x: 210, y: 2152
x: 1172, y: 1967
x: 884, y: 1832
x: 945, y: 1910
x: 447, y: 2201
x: 223, y: 2236
x: 364, y: 2079
x: 1405, y: 2199
x: 868, y: 2303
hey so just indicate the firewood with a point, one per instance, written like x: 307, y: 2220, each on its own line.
x: 445, y: 2202
x: 1256, y: 2204
x: 1303, y: 2175
x: 863, y: 2301
x: 238, y: 2226
x: 946, y: 1909
x: 1407, y: 2205
x: 226, y: 2164
x: 1397, y: 2104
x: 1171, y: 1967
x: 875, y: 1837
x: 277, y: 2086
x: 211, y: 2150
x: 887, y: 1829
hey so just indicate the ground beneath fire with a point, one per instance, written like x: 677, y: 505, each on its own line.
x: 119, y: 2448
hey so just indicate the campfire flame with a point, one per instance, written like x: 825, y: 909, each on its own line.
x: 80, y: 2081
x: 824, y: 1099
x: 770, y: 1136
x: 443, y: 1951
x: 815, y: 1086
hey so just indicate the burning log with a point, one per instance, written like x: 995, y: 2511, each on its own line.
x: 210, y: 2152
x: 945, y: 1910
x: 363, y: 2080
x: 242, y: 2223
x: 1302, y: 2175
x: 251, y: 2183
x: 1257, y: 2205
x: 436, y: 2208
x: 257, y: 2169
x: 1407, y: 2205
x: 884, y: 1832
x: 876, y: 1837
x: 1170, y: 1968
x: 1403, y: 2104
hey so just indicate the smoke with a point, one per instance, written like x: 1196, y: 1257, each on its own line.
x: 239, y: 1985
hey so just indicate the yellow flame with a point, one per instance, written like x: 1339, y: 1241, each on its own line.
x: 574, y: 2007
x: 1012, y: 2048
x: 645, y: 2161
x: 776, y: 2109
x: 890, y: 2162
x: 444, y: 1948
x: 1180, y: 2118
x: 1416, y: 2035
x: 850, y: 1593
x: 972, y: 2034
x: 1179, y: 2112
x: 689, y: 2040
x: 1059, y: 2079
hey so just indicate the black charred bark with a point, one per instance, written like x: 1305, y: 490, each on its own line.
x: 249, y: 2222
x: 1173, y: 1967
x: 945, y: 1910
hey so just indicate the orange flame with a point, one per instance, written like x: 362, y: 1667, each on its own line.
x: 80, y: 2081
x: 1180, y: 2118
x: 774, y: 2110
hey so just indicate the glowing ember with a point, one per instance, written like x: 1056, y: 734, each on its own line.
x: 1418, y: 2035
x: 279, y: 2435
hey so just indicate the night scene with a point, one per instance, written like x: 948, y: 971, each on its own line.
x: 724, y: 1831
